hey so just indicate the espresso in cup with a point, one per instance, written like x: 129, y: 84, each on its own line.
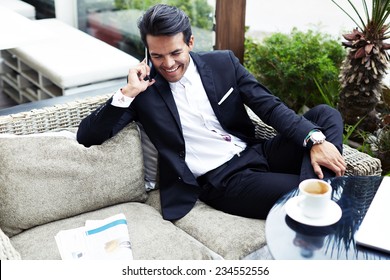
x: 315, y: 195
x: 316, y: 187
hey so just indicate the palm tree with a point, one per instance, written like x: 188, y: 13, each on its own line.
x: 364, y: 67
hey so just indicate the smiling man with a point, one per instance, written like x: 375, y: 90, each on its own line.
x: 193, y: 110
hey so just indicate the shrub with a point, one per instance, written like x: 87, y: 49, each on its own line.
x: 293, y: 65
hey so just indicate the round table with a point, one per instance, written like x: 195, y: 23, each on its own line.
x: 289, y: 239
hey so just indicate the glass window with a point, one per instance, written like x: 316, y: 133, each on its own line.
x: 115, y: 21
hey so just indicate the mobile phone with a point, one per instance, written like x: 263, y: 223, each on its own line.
x: 147, y: 60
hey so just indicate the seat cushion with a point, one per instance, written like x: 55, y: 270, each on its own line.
x: 231, y: 237
x: 152, y: 237
x: 50, y: 176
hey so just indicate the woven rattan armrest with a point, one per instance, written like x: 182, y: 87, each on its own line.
x: 262, y: 130
x: 51, y: 118
x: 7, y: 251
x: 361, y: 164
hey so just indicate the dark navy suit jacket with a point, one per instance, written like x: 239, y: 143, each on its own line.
x: 156, y: 110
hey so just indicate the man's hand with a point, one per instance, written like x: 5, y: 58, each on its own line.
x: 136, y: 82
x: 327, y: 155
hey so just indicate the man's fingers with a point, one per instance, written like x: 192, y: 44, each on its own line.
x: 326, y: 155
x: 317, y: 170
x: 338, y: 166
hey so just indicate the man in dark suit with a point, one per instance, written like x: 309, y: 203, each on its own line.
x: 193, y: 110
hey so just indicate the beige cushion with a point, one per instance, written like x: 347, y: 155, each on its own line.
x: 47, y: 177
x: 150, y: 155
x: 232, y: 237
x: 152, y: 237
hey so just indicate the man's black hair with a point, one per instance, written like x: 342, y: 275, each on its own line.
x: 164, y: 20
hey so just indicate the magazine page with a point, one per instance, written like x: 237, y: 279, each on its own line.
x: 71, y: 243
x: 98, y: 239
x: 108, y: 238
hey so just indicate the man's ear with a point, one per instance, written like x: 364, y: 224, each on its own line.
x: 191, y: 42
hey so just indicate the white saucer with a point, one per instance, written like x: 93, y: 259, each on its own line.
x: 295, y: 213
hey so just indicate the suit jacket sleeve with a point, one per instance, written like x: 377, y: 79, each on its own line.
x: 103, y: 123
x: 221, y: 71
x: 269, y: 107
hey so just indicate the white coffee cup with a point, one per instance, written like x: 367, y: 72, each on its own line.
x: 315, y: 195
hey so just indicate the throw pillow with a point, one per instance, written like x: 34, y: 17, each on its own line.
x: 150, y: 155
x: 50, y: 176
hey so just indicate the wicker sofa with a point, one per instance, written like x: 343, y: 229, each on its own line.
x: 48, y: 182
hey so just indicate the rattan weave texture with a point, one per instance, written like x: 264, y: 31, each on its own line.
x: 50, y: 118
x: 7, y: 251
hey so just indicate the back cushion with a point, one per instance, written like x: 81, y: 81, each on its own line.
x: 50, y: 176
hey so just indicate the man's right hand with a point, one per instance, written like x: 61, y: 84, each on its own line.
x: 135, y: 80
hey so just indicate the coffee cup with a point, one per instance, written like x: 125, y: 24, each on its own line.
x: 315, y: 195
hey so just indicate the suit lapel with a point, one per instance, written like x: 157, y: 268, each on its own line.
x: 164, y: 90
x: 206, y: 76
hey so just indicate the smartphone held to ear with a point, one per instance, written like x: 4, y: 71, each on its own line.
x: 147, y: 78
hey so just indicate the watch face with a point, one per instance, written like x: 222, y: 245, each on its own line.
x: 317, y: 137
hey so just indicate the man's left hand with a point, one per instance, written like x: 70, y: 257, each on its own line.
x: 327, y: 155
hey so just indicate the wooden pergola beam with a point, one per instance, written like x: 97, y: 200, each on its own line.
x: 230, y: 26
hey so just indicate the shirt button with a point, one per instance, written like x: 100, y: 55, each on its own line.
x: 182, y: 154
x: 179, y: 178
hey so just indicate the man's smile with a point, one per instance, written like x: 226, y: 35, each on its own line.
x: 172, y: 70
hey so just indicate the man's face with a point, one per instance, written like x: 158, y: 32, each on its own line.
x: 170, y: 55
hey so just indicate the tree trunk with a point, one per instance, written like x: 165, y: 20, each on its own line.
x: 354, y: 108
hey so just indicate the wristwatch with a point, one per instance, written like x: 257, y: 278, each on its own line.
x: 314, y: 137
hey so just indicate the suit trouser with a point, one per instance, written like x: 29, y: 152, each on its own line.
x: 250, y: 184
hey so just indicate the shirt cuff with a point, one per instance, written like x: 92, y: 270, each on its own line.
x: 121, y: 100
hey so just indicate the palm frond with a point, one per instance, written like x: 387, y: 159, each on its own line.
x: 358, y: 14
x: 380, y: 14
x: 366, y: 10
x: 361, y: 27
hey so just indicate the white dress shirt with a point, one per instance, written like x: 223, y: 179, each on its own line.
x: 208, y: 145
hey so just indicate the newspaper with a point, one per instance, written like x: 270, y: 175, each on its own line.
x: 98, y: 239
